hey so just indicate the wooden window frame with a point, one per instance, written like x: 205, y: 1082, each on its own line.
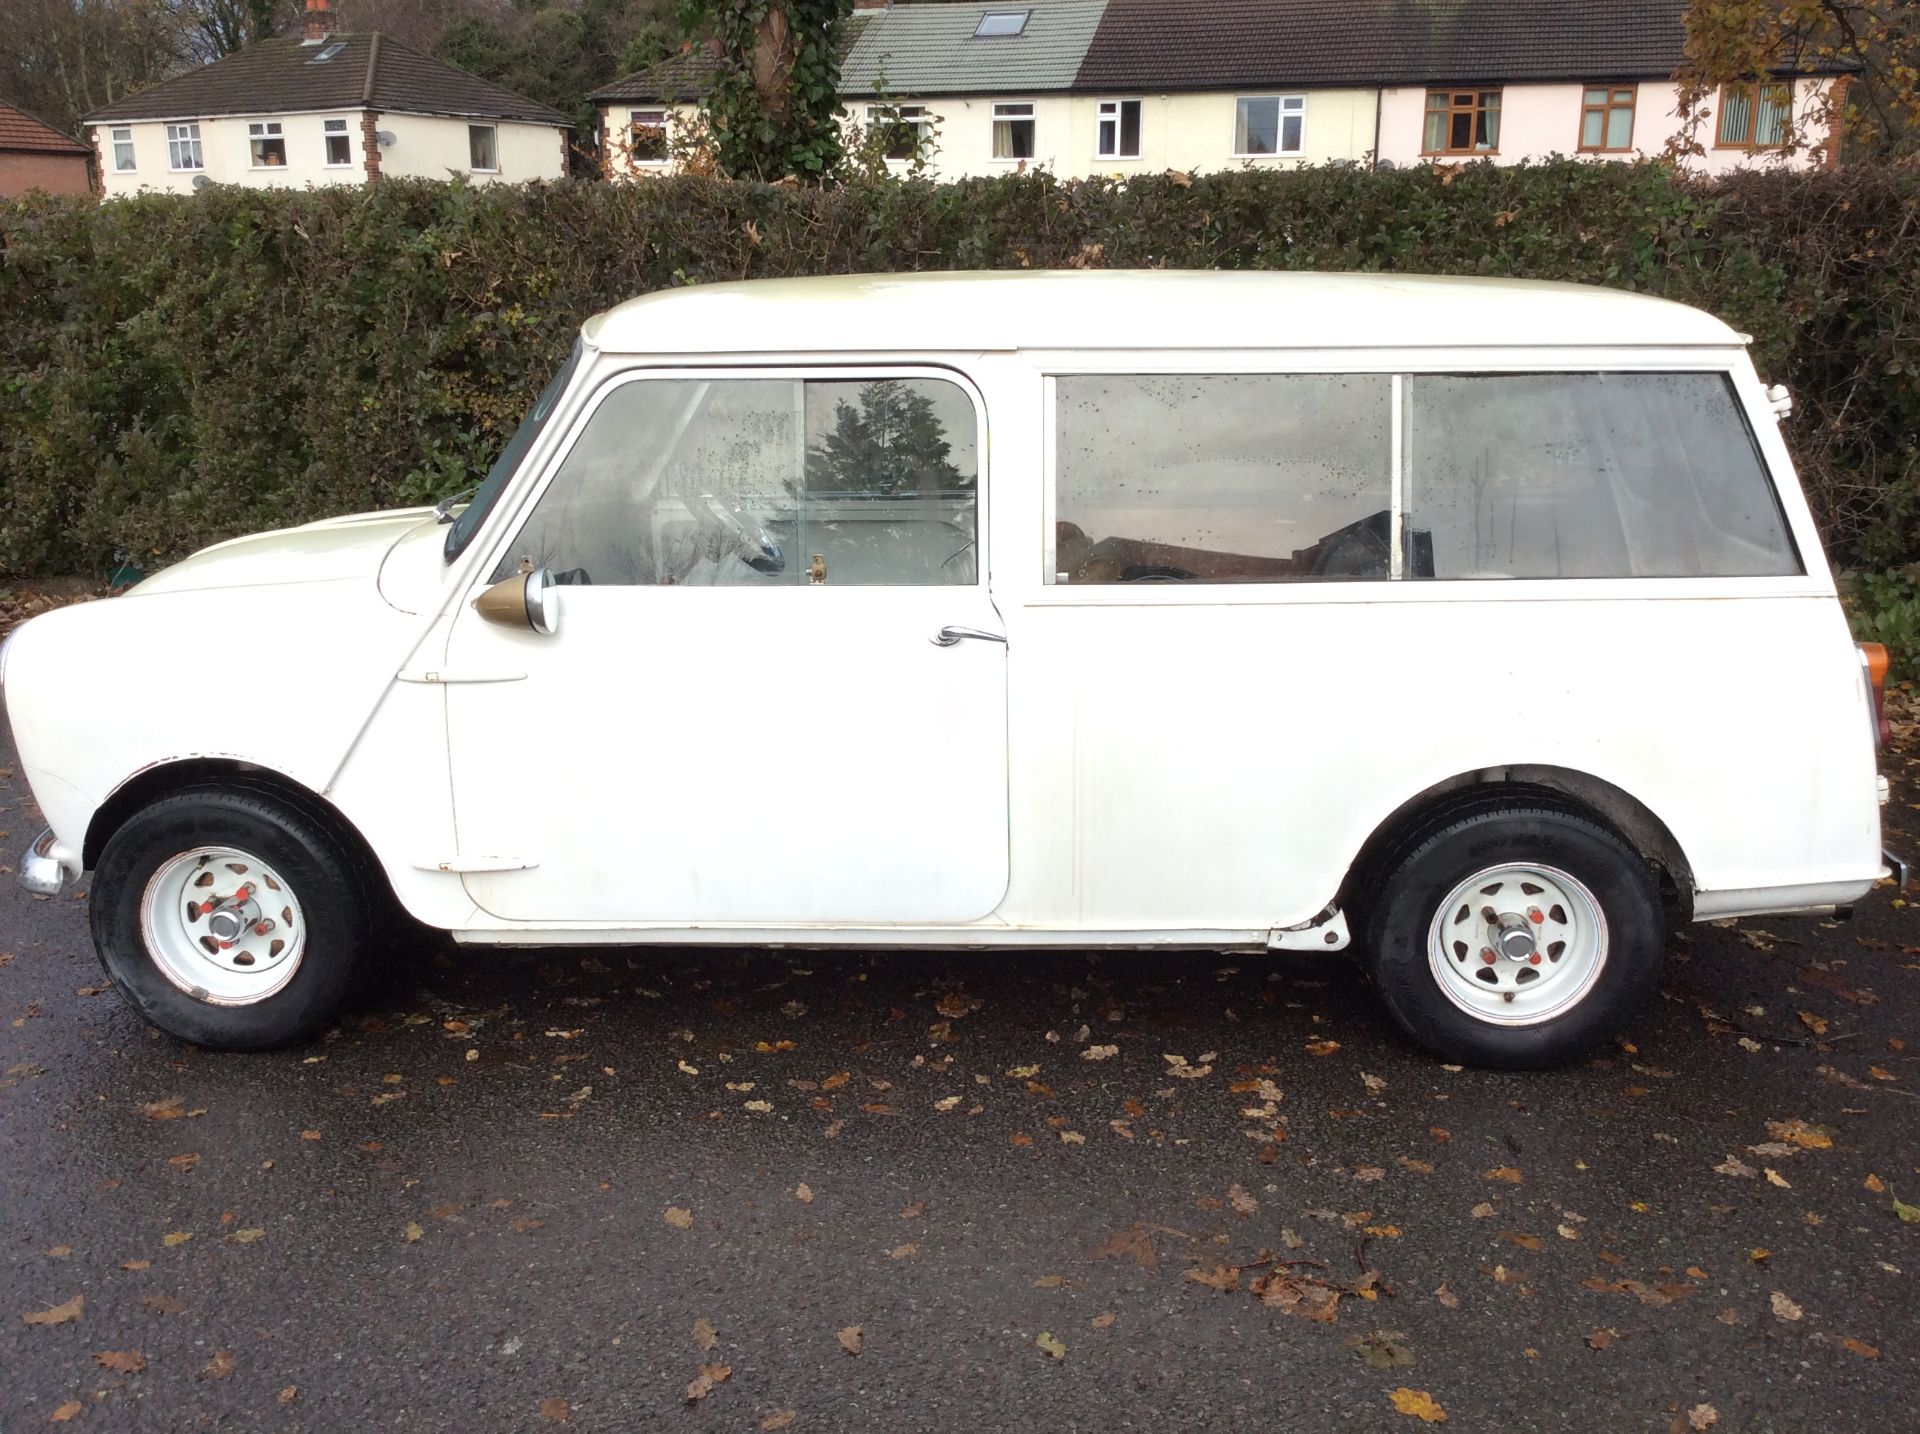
x: 1759, y: 90
x: 1479, y: 107
x: 1605, y: 111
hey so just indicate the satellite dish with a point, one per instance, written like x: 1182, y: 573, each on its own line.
x: 200, y: 181
x: 1386, y: 164
x: 385, y: 138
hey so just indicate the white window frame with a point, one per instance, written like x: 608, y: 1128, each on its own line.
x: 1011, y: 106
x: 918, y: 116
x: 1110, y: 116
x: 493, y: 141
x: 1283, y: 107
x: 258, y: 133
x: 327, y: 133
x: 665, y: 121
x: 120, y: 136
x: 184, y: 155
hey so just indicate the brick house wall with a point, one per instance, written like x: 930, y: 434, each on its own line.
x: 55, y: 173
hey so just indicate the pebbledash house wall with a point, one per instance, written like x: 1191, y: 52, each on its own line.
x: 25, y: 170
x: 1194, y: 132
x: 425, y: 146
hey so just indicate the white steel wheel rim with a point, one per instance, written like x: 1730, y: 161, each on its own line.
x: 223, y: 926
x: 1518, y: 944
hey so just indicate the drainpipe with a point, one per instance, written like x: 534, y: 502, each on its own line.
x: 1379, y: 103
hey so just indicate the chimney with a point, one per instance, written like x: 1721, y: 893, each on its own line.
x: 319, y: 22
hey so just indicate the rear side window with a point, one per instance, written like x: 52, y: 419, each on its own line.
x: 1222, y: 478
x: 1586, y: 475
x: 1238, y: 478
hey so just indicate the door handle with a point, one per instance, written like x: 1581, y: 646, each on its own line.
x: 948, y: 636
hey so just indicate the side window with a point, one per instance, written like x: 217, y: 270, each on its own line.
x: 1222, y: 478
x: 764, y: 482
x: 1586, y: 475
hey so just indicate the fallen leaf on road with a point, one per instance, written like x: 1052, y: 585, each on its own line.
x: 1909, y: 1213
x: 1420, y: 1404
x: 1447, y: 1297
x: 1220, y: 1277
x: 164, y: 1304
x: 172, y: 1108
x: 1506, y: 1173
x: 1374, y: 1084
x: 1784, y: 1308
x: 65, y: 1313
x: 779, y: 1419
x: 1099, y: 1053
x: 1601, y: 1338
x: 245, y: 1237
x: 946, y: 1103
x: 913, y: 1211
x: 136, y: 1264
x: 704, y: 1382
x: 1875, y: 1185
x: 1322, y: 1048
x: 65, y: 1412
x: 1242, y: 1202
x: 803, y: 1192
x: 1798, y: 1132
x: 901, y: 1252
x: 1052, y: 1346
x: 220, y: 1366
x: 1525, y: 1242
x: 1379, y: 1350
x: 1482, y: 1211
x: 851, y: 1338
x: 1774, y: 1177
x: 555, y: 1410
x: 705, y: 1336
x: 121, y: 1361
x: 1816, y: 1024
x: 1103, y: 1321
x: 1130, y: 1244
x: 1859, y: 1347
x: 289, y: 1394
x: 175, y: 1239
x: 413, y: 1232
x: 1702, y: 1416
x: 678, y: 1216
x: 1735, y: 1166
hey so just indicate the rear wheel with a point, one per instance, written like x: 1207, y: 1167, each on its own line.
x: 232, y: 918
x: 1514, y: 936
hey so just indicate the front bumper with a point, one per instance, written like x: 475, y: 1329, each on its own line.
x: 47, y: 866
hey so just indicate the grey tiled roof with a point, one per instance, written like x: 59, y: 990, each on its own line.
x: 680, y: 77
x: 370, y: 71
x: 1212, y: 44
x: 919, y: 50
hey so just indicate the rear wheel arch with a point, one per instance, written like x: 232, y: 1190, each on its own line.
x: 1563, y: 788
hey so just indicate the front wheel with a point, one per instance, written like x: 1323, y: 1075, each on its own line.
x: 1515, y: 937
x: 232, y: 918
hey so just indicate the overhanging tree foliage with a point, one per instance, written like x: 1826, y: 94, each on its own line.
x: 773, y: 106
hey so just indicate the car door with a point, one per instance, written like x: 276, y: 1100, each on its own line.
x: 747, y: 712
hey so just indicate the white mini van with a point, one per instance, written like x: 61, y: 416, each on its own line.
x: 1479, y: 624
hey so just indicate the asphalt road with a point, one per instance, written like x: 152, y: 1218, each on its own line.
x: 511, y: 1190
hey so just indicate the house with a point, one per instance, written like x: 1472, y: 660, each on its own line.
x: 37, y: 156
x: 1083, y: 87
x: 326, y: 108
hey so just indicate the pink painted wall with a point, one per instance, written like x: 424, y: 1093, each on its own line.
x: 1541, y: 120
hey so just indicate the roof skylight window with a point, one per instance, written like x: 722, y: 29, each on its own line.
x: 996, y: 23
x: 327, y: 54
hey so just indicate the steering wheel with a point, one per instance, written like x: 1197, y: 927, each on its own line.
x: 744, y: 533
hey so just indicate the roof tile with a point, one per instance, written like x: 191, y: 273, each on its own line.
x: 21, y: 131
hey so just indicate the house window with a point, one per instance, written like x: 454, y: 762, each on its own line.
x: 647, y: 136
x: 998, y: 24
x: 339, y: 146
x: 1754, y: 116
x: 1013, y: 131
x: 901, y: 129
x: 483, y: 151
x: 1269, y: 124
x: 1463, y: 122
x: 1119, y: 130
x: 183, y: 146
x: 267, y: 145
x: 1606, y: 118
x: 122, y: 149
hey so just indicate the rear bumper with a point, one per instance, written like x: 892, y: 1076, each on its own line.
x: 48, y: 866
x: 1892, y: 866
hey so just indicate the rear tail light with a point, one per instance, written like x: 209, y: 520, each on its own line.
x: 1873, y: 667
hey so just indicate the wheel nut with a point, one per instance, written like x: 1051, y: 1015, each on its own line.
x: 1534, y: 960
x: 1535, y: 915
x: 1486, y: 955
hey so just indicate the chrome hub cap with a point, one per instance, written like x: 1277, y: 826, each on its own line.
x: 223, y: 926
x: 1517, y: 945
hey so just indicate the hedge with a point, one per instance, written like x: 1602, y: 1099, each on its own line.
x: 175, y: 370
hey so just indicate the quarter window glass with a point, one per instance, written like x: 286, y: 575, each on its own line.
x: 764, y: 482
x: 1595, y: 475
x: 1222, y: 478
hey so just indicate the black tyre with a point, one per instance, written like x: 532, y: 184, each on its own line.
x: 1513, y: 936
x: 232, y: 917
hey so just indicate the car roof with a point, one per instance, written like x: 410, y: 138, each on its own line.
x: 1134, y: 309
